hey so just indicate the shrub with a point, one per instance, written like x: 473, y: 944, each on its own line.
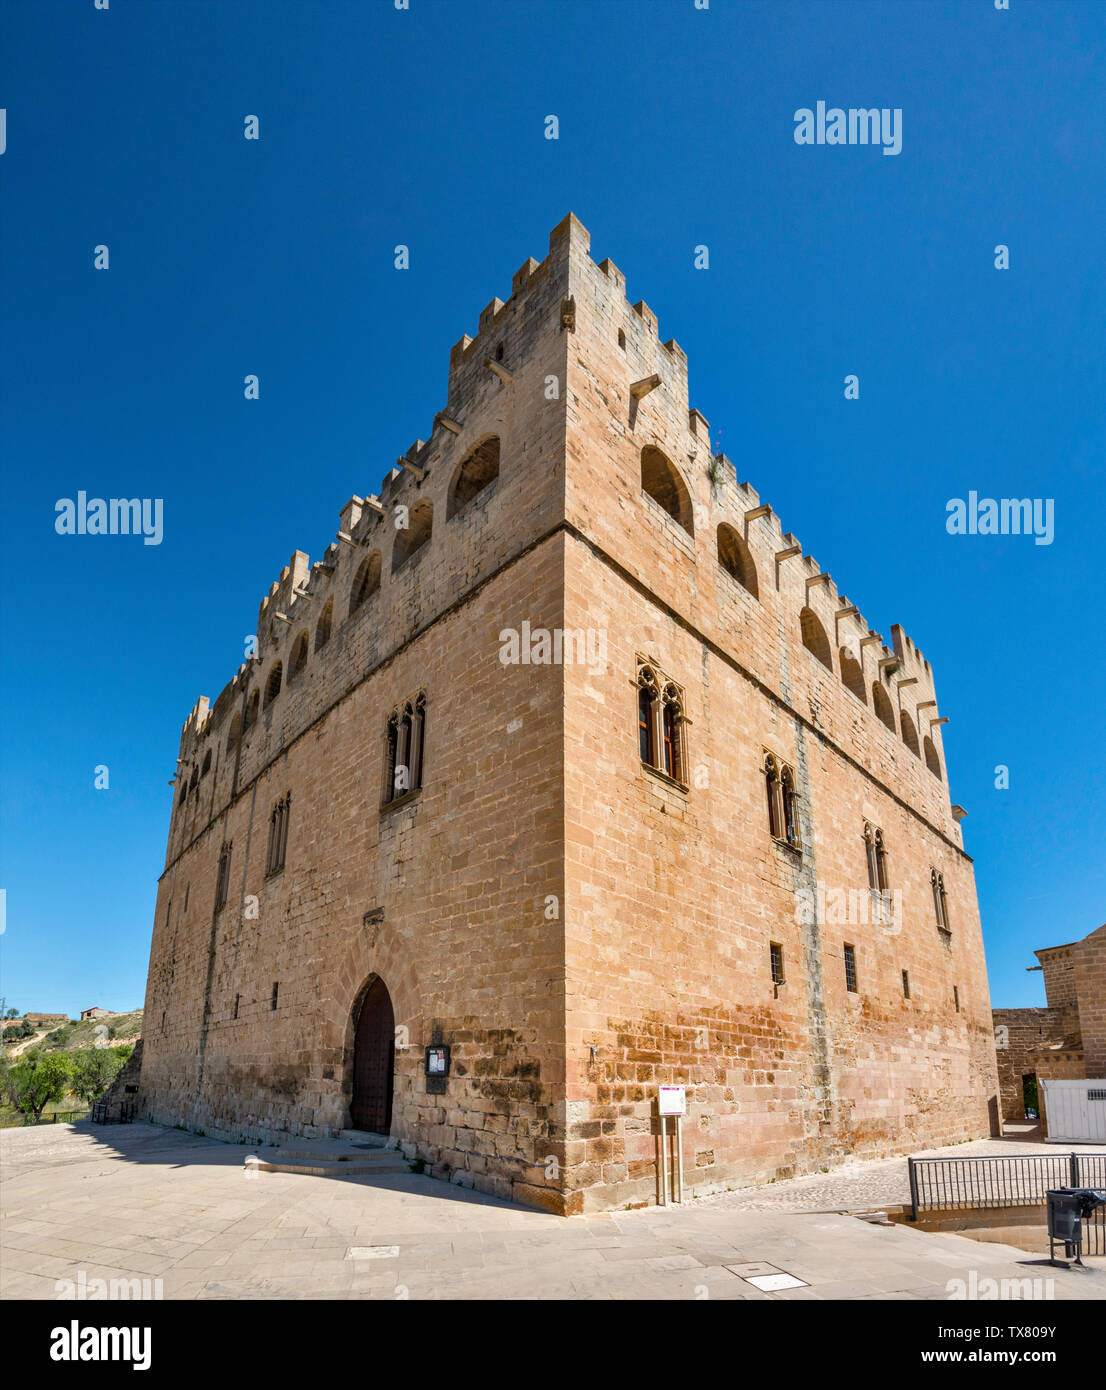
x: 32, y: 1083
x: 94, y: 1069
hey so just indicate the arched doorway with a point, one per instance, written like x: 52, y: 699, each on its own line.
x: 374, y: 1049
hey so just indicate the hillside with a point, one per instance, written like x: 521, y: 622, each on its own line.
x: 65, y: 1037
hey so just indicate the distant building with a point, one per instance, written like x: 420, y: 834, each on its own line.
x: 95, y: 1013
x: 1066, y: 1040
x: 41, y: 1020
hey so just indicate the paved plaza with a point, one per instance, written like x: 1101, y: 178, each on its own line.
x: 82, y: 1202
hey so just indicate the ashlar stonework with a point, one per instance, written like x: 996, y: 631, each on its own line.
x: 697, y: 840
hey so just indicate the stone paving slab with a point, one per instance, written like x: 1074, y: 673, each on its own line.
x: 145, y: 1202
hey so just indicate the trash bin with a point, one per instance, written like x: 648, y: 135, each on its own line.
x: 1068, y: 1207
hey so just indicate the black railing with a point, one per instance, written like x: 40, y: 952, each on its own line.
x: 1007, y: 1180
x: 999, y: 1180
x: 121, y: 1113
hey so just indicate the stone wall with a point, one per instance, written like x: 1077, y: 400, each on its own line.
x: 1089, y: 970
x: 1020, y: 1034
x: 578, y: 928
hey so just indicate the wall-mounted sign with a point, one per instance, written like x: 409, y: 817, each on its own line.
x: 437, y: 1060
x: 672, y: 1100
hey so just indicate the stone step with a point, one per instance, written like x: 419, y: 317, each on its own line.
x: 363, y: 1137
x: 333, y: 1152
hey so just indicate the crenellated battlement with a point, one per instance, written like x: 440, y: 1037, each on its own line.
x: 498, y: 390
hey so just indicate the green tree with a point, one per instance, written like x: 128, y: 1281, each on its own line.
x: 12, y: 1013
x: 11, y: 1033
x: 37, y: 1081
x: 94, y: 1069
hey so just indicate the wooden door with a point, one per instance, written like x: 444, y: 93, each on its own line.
x: 374, y: 1062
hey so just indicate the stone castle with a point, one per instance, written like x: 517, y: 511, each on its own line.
x: 563, y: 775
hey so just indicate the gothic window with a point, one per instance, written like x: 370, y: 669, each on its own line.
x: 252, y: 709
x: 940, y: 903
x: 662, y: 736
x: 645, y: 724
x: 278, y: 834
x: 878, y: 872
x: 672, y: 719
x: 235, y: 732
x: 403, y: 749
x: 790, y: 812
x: 876, y: 852
x: 933, y: 762
x: 783, y: 814
x: 870, y: 856
x: 775, y: 801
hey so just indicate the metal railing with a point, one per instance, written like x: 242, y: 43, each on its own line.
x: 103, y: 1113
x: 1007, y: 1180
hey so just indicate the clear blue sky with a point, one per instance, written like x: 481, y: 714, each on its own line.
x: 425, y: 127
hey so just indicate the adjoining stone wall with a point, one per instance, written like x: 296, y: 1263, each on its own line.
x: 1065, y: 1041
x: 1089, y: 971
x: 1020, y: 1034
x: 129, y: 1075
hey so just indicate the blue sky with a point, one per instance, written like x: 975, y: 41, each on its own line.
x: 426, y: 127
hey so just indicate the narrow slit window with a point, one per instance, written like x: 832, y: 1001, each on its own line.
x: 850, y: 969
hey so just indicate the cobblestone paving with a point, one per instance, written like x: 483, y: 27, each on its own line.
x: 139, y: 1202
